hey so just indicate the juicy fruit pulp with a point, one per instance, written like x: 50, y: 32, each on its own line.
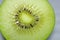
x: 26, y: 19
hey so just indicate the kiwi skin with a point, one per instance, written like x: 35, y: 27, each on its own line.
x: 47, y: 20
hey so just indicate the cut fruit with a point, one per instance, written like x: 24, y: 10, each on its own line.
x: 26, y: 19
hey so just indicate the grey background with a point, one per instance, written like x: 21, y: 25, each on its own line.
x: 56, y: 32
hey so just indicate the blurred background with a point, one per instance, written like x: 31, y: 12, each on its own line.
x: 56, y: 32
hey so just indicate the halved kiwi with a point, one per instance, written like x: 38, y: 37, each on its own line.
x: 26, y: 19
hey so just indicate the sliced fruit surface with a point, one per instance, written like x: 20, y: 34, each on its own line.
x: 26, y: 19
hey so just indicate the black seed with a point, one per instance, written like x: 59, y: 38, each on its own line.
x: 30, y: 12
x: 37, y: 20
x: 31, y: 25
x: 26, y: 27
x: 19, y: 11
x: 18, y: 24
x: 22, y: 26
x: 16, y: 15
x: 16, y: 20
x: 24, y: 8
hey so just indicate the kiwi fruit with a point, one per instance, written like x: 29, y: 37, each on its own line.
x: 26, y: 19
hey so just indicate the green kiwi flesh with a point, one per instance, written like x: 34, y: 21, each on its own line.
x: 26, y: 19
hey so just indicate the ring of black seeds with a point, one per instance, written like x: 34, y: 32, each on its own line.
x: 20, y: 24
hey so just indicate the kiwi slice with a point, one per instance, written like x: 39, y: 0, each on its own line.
x: 26, y: 19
